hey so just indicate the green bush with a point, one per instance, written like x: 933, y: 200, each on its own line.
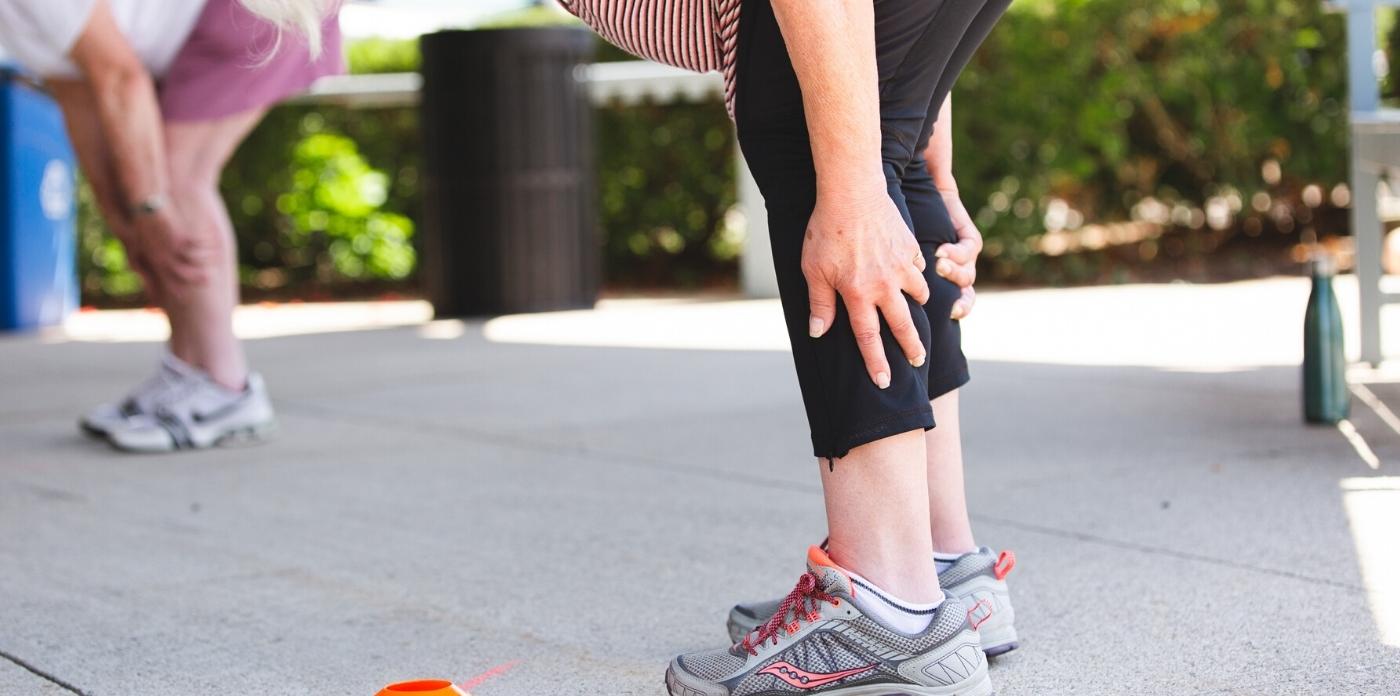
x: 323, y: 198
x: 1100, y: 105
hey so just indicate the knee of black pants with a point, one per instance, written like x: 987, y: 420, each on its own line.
x: 933, y: 227
x: 845, y: 407
x: 947, y: 366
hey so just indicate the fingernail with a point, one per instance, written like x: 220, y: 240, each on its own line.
x: 945, y: 267
x: 815, y: 326
x: 941, y: 253
x: 917, y: 362
x: 882, y: 380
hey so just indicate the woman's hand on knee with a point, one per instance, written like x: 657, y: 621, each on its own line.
x: 136, y: 260
x: 958, y: 262
x: 173, y: 256
x: 864, y: 252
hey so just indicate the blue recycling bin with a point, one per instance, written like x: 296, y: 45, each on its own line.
x: 38, y: 230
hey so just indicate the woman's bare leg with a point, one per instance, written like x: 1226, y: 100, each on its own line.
x: 877, y: 511
x: 947, y: 496
x: 201, y: 315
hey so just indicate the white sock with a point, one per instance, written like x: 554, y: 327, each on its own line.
x: 893, y: 612
x: 944, y: 561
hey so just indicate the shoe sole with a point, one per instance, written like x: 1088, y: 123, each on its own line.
x: 978, y: 685
x: 999, y: 641
x: 92, y: 431
x: 245, y: 436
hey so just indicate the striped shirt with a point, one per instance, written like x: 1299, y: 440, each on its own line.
x: 699, y: 35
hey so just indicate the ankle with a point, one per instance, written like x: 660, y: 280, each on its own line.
x: 954, y: 544
x: 954, y: 551
x: 909, y: 576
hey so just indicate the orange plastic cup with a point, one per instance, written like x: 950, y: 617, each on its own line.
x: 422, y: 687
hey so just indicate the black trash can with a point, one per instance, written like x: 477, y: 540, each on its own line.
x: 509, y: 224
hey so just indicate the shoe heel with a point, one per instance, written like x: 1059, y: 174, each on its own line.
x: 999, y: 640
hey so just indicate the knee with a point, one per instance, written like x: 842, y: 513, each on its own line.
x: 189, y: 176
x: 197, y: 200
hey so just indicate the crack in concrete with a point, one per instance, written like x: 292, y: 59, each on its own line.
x: 42, y: 674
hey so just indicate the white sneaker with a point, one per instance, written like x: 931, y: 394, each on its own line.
x: 200, y: 414
x: 170, y: 374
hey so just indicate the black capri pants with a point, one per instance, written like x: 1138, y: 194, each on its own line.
x: 922, y: 46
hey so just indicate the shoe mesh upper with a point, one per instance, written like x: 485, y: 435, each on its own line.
x: 712, y: 665
x: 821, y: 653
x: 835, y: 647
x: 950, y: 619
x: 968, y: 567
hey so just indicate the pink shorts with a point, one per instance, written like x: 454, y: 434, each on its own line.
x: 228, y: 65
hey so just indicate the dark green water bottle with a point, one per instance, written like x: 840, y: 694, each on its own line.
x: 1325, y: 395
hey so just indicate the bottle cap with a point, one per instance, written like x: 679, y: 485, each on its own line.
x: 1323, y: 264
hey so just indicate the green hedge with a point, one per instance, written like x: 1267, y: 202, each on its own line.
x: 1075, y: 111
x: 1105, y: 104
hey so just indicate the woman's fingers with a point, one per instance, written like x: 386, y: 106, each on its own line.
x: 963, y: 306
x: 865, y: 324
x: 962, y: 275
x: 958, y: 261
x: 957, y: 253
x: 915, y: 285
x: 901, y: 323
x: 149, y: 278
x: 821, y: 298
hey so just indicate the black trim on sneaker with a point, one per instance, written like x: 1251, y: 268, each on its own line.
x: 178, y: 431
x: 896, y: 604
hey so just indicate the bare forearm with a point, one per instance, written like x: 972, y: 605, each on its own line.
x: 124, y: 99
x: 129, y: 118
x: 832, y: 47
x: 85, y: 132
x: 939, y: 154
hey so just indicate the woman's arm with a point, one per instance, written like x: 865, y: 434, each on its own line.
x: 127, y: 110
x: 956, y: 262
x: 857, y: 245
x: 85, y: 132
x: 128, y: 116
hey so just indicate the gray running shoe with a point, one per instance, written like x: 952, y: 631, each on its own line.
x: 170, y: 374
x: 200, y: 414
x: 818, y: 642
x: 977, y: 578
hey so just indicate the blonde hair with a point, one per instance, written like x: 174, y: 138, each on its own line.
x: 300, y: 16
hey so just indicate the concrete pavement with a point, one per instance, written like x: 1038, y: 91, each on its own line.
x: 559, y: 503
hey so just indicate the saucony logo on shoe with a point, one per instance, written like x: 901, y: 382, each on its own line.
x: 802, y: 679
x: 979, y: 613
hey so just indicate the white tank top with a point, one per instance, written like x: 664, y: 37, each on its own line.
x: 39, y: 34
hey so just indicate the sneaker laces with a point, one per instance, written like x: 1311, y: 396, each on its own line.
x: 804, y: 602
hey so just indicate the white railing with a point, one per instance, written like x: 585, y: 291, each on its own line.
x: 1375, y: 152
